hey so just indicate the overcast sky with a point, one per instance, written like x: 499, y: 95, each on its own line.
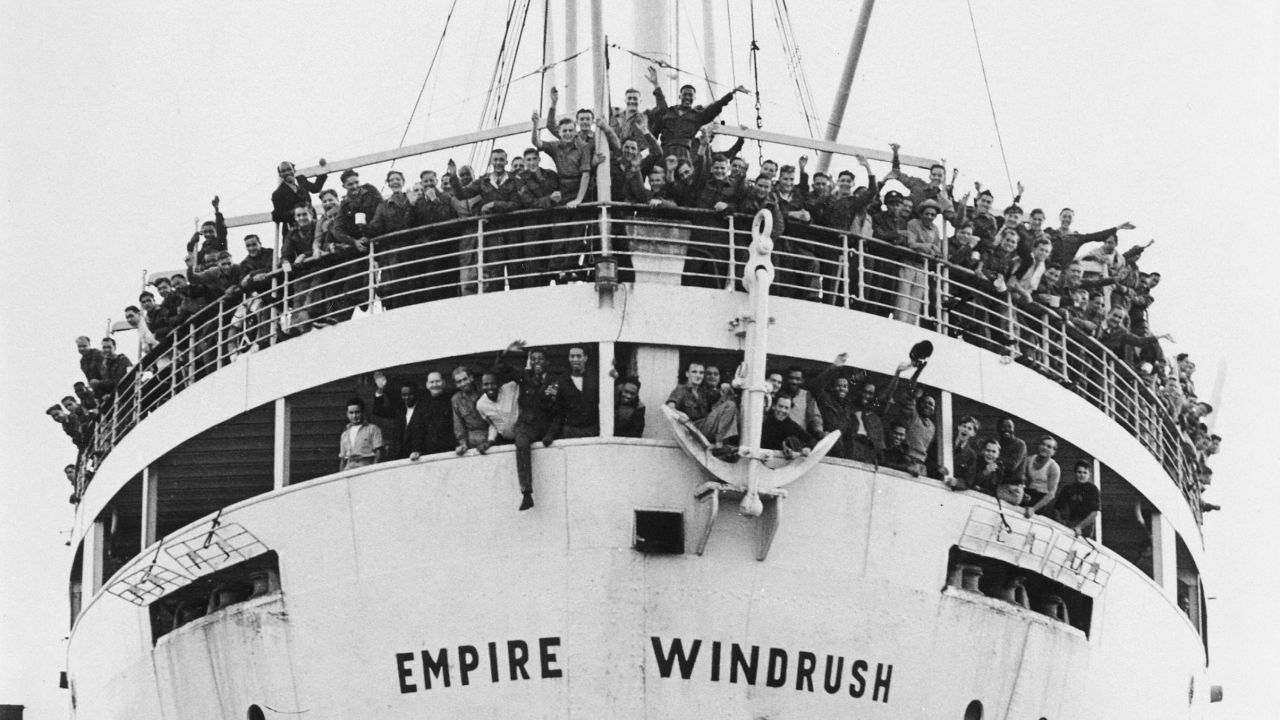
x: 120, y: 121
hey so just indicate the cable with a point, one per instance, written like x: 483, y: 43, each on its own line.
x: 439, y: 43
x: 981, y: 63
x: 702, y: 59
x: 733, y: 64
x: 755, y: 68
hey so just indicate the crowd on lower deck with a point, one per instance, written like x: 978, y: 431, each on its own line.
x: 1081, y: 284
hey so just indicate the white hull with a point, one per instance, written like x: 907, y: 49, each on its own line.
x: 380, y: 565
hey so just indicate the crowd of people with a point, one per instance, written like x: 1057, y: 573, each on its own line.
x: 661, y: 156
x: 514, y: 401
x: 888, y: 427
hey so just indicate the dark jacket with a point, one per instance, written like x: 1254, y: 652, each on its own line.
x: 577, y: 409
x: 406, y: 438
x: 505, y: 197
x: 628, y: 421
x: 285, y: 198
x: 774, y: 432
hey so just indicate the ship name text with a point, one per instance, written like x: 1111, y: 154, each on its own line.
x: 734, y: 663
x: 511, y: 661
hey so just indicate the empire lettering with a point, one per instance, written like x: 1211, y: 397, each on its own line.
x: 751, y: 664
x: 511, y: 661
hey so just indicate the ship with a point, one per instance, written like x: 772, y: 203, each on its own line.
x: 222, y: 569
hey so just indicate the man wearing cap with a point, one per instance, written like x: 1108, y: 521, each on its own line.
x: 291, y: 191
x: 676, y: 126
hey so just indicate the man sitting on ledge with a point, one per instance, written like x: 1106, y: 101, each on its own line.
x: 718, y: 424
x: 780, y: 432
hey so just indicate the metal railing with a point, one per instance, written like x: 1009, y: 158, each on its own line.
x: 498, y: 253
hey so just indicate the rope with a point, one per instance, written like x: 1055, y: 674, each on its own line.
x: 981, y: 63
x: 439, y: 43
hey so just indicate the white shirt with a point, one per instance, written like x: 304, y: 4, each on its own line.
x: 501, y: 413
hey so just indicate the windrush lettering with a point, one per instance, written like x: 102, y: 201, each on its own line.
x: 775, y: 667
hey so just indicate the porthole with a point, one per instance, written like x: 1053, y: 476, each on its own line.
x: 973, y: 711
x: 255, y: 713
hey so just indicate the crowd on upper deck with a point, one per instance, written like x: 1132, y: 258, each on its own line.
x: 1055, y: 277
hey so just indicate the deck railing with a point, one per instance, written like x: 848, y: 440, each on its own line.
x: 499, y: 253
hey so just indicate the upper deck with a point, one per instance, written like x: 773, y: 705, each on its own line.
x: 658, y: 248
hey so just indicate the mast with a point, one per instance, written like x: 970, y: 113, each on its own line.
x: 651, y: 20
x: 846, y: 80
x: 709, y: 46
x: 571, y: 67
x: 600, y: 85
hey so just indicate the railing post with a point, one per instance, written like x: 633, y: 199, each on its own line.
x: 844, y: 267
x: 733, y: 252
x: 373, y: 284
x: 937, y: 291
x: 221, y: 339
x: 137, y: 394
x: 862, y: 269
x: 479, y: 256
x: 279, y: 309
x: 606, y: 246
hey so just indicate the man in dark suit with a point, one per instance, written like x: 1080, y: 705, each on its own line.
x: 291, y: 191
x: 577, y: 406
x: 409, y: 422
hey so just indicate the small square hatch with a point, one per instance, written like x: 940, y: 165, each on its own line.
x: 659, y: 532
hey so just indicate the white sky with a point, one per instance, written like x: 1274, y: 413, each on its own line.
x: 119, y: 122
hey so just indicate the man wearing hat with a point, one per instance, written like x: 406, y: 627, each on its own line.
x: 291, y: 191
x: 676, y: 126
x: 923, y: 239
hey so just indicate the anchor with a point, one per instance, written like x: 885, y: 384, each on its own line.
x: 761, y: 476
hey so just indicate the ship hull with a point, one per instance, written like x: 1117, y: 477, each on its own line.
x: 417, y: 589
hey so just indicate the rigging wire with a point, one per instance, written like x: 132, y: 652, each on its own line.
x: 496, y: 102
x: 542, y: 71
x: 755, y: 68
x: 981, y: 63
x: 701, y: 58
x: 782, y: 19
x: 494, y: 76
x: 733, y: 63
x: 430, y: 66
